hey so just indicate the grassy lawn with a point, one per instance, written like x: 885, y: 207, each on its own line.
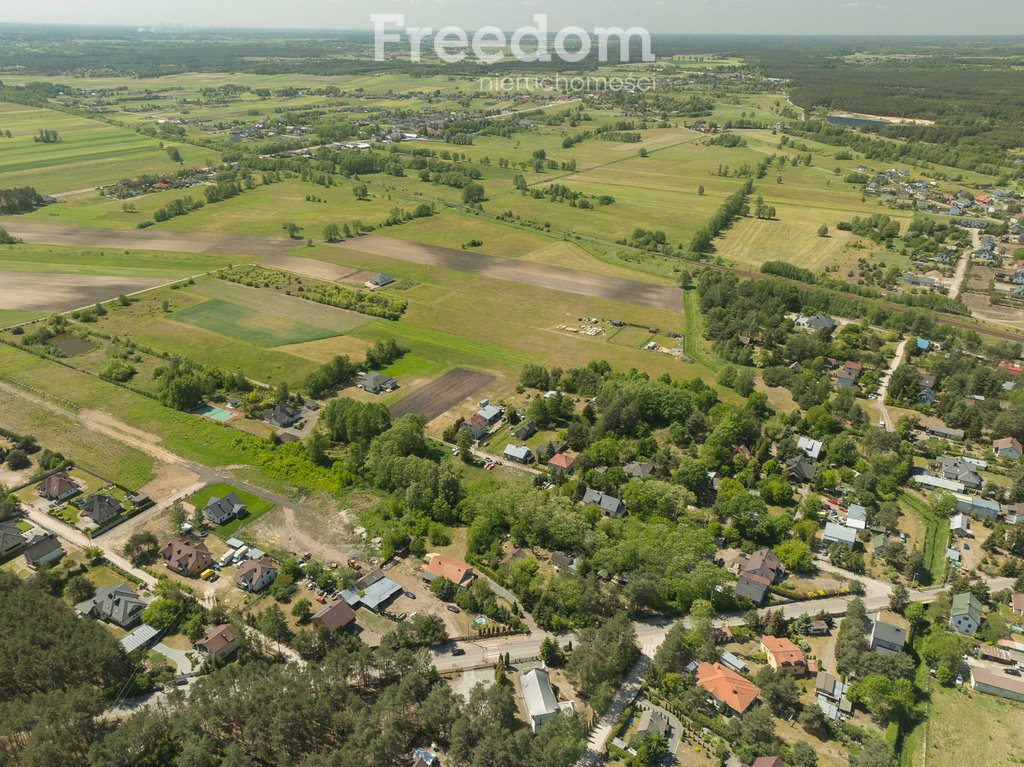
x: 936, y: 536
x: 256, y: 507
x: 248, y: 325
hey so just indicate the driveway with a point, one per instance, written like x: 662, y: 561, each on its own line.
x: 178, y: 657
x: 883, y: 391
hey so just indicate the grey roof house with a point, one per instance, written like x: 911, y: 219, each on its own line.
x: 283, y: 416
x: 100, y: 508
x: 120, y: 605
x: 222, y: 510
x: 886, y: 638
x: 375, y: 383
x: 965, y: 613
x: 43, y: 549
x: 610, y: 505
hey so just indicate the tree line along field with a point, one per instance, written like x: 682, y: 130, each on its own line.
x: 89, y: 153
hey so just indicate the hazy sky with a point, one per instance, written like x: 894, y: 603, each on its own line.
x: 994, y: 17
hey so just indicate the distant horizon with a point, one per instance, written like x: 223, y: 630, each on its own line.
x: 761, y: 18
x: 168, y: 28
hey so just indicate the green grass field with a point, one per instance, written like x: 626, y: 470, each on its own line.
x: 244, y: 324
x: 57, y: 259
x: 89, y: 154
x: 256, y: 507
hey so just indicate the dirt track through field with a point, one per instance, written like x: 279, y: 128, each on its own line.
x: 441, y: 394
x: 665, y: 297
x: 37, y: 292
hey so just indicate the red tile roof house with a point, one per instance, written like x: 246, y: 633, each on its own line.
x: 217, y: 643
x: 457, y: 572
x: 186, y: 557
x: 563, y: 462
x: 728, y: 689
x: 783, y: 655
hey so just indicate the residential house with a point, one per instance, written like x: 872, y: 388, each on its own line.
x: 938, y: 483
x: 729, y: 691
x: 373, y: 591
x: 653, y: 722
x: 979, y: 508
x: 925, y: 397
x: 1017, y: 292
x: 997, y: 683
x: 457, y: 572
x: 490, y: 413
x: 283, y: 416
x: 960, y: 525
x: 853, y: 368
x: 857, y: 517
x: 525, y: 430
x: 11, y: 538
x: 767, y: 761
x: 563, y: 462
x: 763, y: 563
x: 846, y: 379
x: 886, y: 638
x: 186, y: 557
x: 100, y: 508
x: 476, y: 426
x: 816, y: 322
x: 818, y: 629
x: 518, y: 453
x: 840, y: 535
x: 960, y: 470
x: 541, y: 703
x: 752, y: 587
x: 1008, y: 447
x: 610, y: 505
x: 120, y: 605
x: 811, y: 447
x: 43, y: 549
x: 58, y: 487
x: 965, y: 613
x: 218, y: 643
x: 944, y: 432
x: 379, y: 280
x: 377, y: 383
x: 336, y: 616
x: 255, y: 575
x: 783, y: 655
x: 562, y: 562
x: 220, y: 511
x: 638, y: 470
x: 801, y: 469
x: 1017, y: 604
x: 928, y: 380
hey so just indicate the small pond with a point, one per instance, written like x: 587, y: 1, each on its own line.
x: 71, y: 345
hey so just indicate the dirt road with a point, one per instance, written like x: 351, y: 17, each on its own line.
x: 667, y: 297
x: 883, y: 390
x: 961, y: 268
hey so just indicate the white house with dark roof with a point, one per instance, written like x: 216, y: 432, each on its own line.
x: 120, y: 605
x: 965, y: 613
x: 222, y: 510
x: 841, y: 535
x: 610, y: 505
x: 886, y: 638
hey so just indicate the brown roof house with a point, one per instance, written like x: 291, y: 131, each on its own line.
x: 186, y: 557
x: 783, y: 655
x: 217, y: 643
x: 58, y: 487
x: 255, y: 575
x: 336, y: 617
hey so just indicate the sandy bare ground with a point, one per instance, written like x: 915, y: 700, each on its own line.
x: 669, y: 298
x: 170, y: 479
x: 325, y: 536
x: 35, y: 291
x: 146, y: 239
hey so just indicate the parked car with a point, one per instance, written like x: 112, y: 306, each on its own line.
x: 181, y: 681
x: 458, y: 651
x: 453, y: 609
